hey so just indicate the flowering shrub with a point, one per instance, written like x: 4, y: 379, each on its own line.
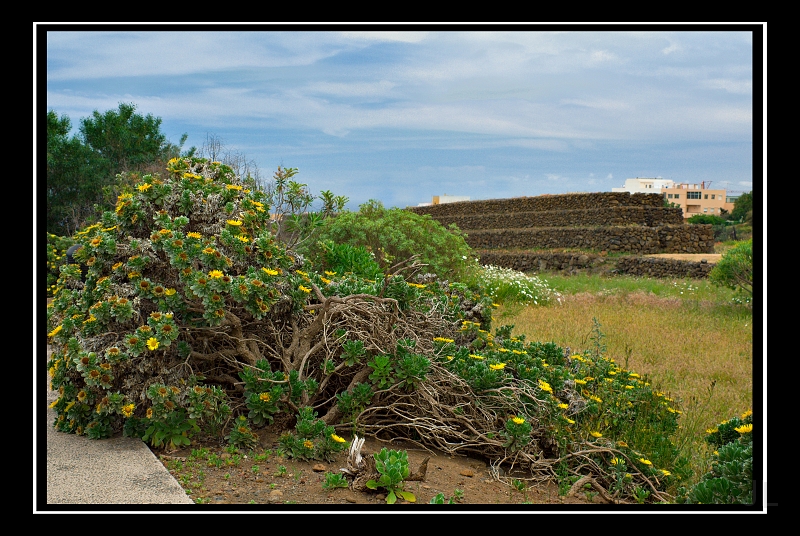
x: 730, y: 480
x: 507, y: 285
x: 193, y: 317
x: 56, y: 252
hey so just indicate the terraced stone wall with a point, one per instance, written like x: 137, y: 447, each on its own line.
x: 529, y: 262
x: 512, y: 232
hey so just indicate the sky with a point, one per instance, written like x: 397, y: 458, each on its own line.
x: 401, y: 113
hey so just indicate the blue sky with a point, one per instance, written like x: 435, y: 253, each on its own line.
x: 382, y: 112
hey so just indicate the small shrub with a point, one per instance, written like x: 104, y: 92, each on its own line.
x: 735, y: 269
x: 393, y: 467
x: 394, y: 235
x: 730, y: 480
x: 334, y: 480
x: 505, y: 285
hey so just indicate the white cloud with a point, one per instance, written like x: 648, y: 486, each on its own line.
x: 599, y: 104
x: 602, y: 56
x: 673, y: 47
x: 402, y: 37
x: 354, y: 89
x: 741, y: 87
x: 452, y: 169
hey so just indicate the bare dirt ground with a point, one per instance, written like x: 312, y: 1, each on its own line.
x: 279, y: 480
x: 696, y: 257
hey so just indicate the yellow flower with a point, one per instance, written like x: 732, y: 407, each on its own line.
x: 518, y: 420
x: 152, y: 343
x: 617, y: 461
x: 170, y: 291
x: 235, y: 223
x: 563, y: 406
x: 665, y: 472
x: 194, y: 235
x: 215, y: 274
x: 596, y: 399
x: 580, y: 382
x: 711, y: 430
x: 264, y: 397
x: 621, y: 444
x: 476, y: 356
x: 442, y: 339
x: 629, y: 387
x: 569, y: 420
x: 233, y: 187
x: 127, y: 411
x: 304, y: 289
x: 308, y: 444
x: 595, y: 434
x: 633, y: 375
x: 645, y: 461
x: 269, y: 272
x: 544, y: 386
x: 747, y: 413
x: 498, y: 366
x: 55, y: 331
x: 329, y: 273
x: 243, y: 238
x: 745, y: 428
x: 143, y: 187
x: 337, y: 438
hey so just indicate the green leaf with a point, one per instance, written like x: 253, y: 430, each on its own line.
x: 371, y: 484
x: 407, y: 495
x: 391, y: 498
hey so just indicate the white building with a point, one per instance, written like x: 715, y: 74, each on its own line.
x: 645, y: 185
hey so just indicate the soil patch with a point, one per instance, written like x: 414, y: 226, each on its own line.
x: 712, y: 258
x: 263, y: 477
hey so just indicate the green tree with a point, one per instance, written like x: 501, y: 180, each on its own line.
x: 742, y: 206
x: 74, y: 176
x: 125, y: 140
x: 82, y: 169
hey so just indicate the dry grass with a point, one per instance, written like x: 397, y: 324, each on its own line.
x: 682, y: 346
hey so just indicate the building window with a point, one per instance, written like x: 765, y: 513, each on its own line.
x: 706, y: 197
x: 692, y: 195
x: 712, y: 196
x: 669, y: 196
x: 677, y: 196
x: 705, y: 210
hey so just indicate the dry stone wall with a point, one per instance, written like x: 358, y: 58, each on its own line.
x: 645, y: 216
x: 513, y: 232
